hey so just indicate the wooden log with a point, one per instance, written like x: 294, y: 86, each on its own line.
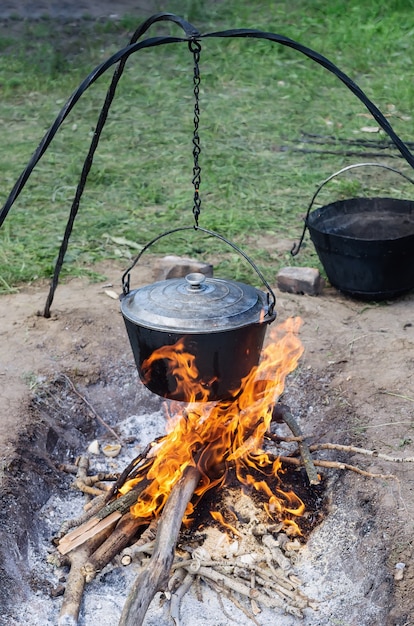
x: 155, y: 576
x: 75, y: 584
x: 108, y: 514
x: 121, y: 536
x: 72, y: 598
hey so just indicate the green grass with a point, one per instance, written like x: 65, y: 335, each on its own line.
x: 256, y: 100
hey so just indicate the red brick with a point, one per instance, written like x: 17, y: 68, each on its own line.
x: 303, y: 280
x: 172, y: 266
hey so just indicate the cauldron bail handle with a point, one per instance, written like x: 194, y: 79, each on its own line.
x: 297, y: 246
x: 271, y: 298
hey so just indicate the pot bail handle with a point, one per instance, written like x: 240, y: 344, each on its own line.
x: 271, y: 298
x: 297, y: 246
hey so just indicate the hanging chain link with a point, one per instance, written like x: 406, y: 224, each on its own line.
x: 195, y: 48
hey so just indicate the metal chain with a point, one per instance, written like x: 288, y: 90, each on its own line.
x: 195, y: 48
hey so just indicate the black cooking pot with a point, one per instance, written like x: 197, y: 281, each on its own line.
x: 219, y: 325
x: 366, y: 245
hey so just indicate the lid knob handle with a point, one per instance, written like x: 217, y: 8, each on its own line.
x: 195, y: 280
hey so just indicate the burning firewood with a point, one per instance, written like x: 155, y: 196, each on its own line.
x: 155, y: 576
x: 227, y: 577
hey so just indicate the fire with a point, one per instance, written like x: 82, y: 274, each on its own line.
x: 218, y: 436
x: 182, y: 367
x: 216, y: 515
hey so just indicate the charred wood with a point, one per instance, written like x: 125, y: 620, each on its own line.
x: 281, y: 411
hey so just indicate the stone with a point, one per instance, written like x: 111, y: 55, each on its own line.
x: 172, y: 266
x: 57, y: 591
x: 301, y: 280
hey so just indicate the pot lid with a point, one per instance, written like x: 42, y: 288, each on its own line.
x: 196, y: 304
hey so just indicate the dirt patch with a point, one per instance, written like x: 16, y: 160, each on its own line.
x: 362, y: 589
x: 354, y: 385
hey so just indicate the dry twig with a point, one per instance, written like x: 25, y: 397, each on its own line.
x: 220, y: 591
x: 233, y: 584
x: 187, y: 580
x: 90, y: 407
x: 355, y: 450
x: 338, y: 465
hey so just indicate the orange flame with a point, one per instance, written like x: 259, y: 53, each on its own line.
x: 215, y: 436
x: 182, y: 367
x: 216, y: 515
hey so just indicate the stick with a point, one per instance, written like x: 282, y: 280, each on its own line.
x: 353, y: 449
x: 93, y: 506
x: 280, y: 439
x: 239, y: 587
x: 220, y: 591
x: 88, y: 489
x: 87, y: 531
x: 144, y: 544
x: 75, y: 584
x: 155, y: 576
x: 72, y: 599
x: 90, y: 407
x: 68, y: 468
x: 282, y: 411
x: 178, y: 595
x: 132, y: 469
x: 337, y: 465
x: 107, y: 514
x: 82, y: 463
x: 117, y: 540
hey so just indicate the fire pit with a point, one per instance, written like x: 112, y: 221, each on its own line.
x: 337, y: 587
